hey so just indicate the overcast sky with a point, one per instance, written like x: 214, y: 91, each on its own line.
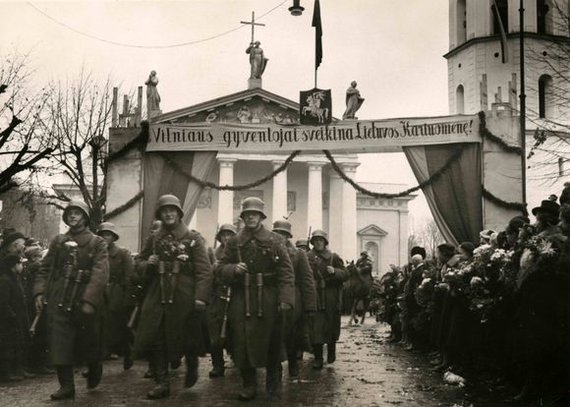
x: 392, y: 48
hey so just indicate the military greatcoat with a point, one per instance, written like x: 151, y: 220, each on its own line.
x: 121, y: 269
x: 326, y: 323
x: 217, y: 304
x: 178, y: 323
x: 74, y: 336
x: 305, y: 297
x: 264, y: 252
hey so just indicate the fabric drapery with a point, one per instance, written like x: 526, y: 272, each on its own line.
x: 454, y: 198
x: 161, y: 178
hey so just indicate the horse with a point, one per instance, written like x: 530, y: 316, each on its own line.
x: 314, y: 107
x: 359, y: 285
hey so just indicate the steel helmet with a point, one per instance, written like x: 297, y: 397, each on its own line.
x: 82, y: 206
x: 302, y: 243
x: 168, y: 200
x: 319, y: 233
x: 108, y: 227
x: 252, y: 204
x: 226, y: 227
x: 282, y: 226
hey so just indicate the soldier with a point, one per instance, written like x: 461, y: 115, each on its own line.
x: 118, y: 338
x: 177, y: 278
x: 71, y: 282
x: 256, y: 265
x: 305, y: 298
x: 217, y: 306
x: 303, y: 244
x: 330, y: 274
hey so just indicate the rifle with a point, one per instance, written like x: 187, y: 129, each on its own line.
x: 69, y: 268
x: 246, y: 284
x: 215, y: 236
x: 309, y: 236
x: 32, y: 329
x: 78, y: 279
x: 227, y: 299
x: 259, y: 281
x: 173, y: 275
x: 161, y: 272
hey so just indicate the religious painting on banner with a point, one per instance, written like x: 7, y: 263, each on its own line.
x: 316, y: 107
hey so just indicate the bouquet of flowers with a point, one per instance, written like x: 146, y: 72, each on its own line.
x: 170, y: 250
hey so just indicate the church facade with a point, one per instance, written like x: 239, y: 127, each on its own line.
x: 309, y: 193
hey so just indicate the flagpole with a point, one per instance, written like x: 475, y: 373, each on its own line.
x: 523, y: 101
x: 316, y: 78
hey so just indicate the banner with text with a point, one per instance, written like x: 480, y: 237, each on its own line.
x: 343, y: 136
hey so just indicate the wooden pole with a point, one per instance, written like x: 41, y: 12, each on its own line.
x: 523, y: 101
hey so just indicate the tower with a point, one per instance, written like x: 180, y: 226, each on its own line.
x: 480, y: 74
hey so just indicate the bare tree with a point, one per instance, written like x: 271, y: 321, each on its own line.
x: 80, y: 114
x: 430, y: 237
x: 24, y: 144
x: 550, y: 116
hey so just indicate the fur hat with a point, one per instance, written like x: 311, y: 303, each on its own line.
x: 11, y: 238
x: 418, y: 250
x: 468, y: 247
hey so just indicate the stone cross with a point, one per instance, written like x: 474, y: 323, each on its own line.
x: 253, y: 24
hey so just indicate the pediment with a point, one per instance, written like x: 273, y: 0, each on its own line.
x: 249, y: 106
x: 372, y: 230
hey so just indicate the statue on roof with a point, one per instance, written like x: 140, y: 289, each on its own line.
x: 152, y: 96
x: 353, y: 102
x: 257, y: 60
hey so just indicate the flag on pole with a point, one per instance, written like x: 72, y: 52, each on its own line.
x: 318, y: 34
x: 504, y: 47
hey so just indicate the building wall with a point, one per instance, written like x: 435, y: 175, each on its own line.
x: 467, y: 67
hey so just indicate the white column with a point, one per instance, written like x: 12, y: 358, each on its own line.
x: 403, y: 247
x: 335, y: 212
x: 349, y: 249
x: 279, y: 210
x: 226, y: 198
x: 315, y: 196
x: 194, y: 220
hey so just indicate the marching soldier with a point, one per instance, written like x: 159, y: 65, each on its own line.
x: 118, y: 337
x: 70, y: 284
x: 305, y: 297
x: 177, y: 278
x: 217, y: 306
x: 303, y: 244
x: 330, y: 274
x: 257, y: 267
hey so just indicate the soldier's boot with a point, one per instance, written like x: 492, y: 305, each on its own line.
x: 293, y: 365
x: 149, y: 374
x: 273, y: 378
x: 331, y: 352
x: 127, y: 359
x: 66, y: 383
x: 249, y: 390
x: 318, y: 352
x: 191, y: 370
x: 94, y: 374
x: 217, y: 362
x: 161, y: 377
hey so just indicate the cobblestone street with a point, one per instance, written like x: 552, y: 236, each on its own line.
x: 368, y: 372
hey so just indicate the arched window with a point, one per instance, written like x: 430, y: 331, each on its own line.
x: 545, y: 96
x: 461, y: 28
x: 459, y: 100
x: 503, y: 11
x: 543, y: 24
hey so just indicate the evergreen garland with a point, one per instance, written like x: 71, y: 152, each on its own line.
x: 455, y: 157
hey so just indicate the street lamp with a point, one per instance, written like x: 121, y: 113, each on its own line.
x: 296, y: 9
